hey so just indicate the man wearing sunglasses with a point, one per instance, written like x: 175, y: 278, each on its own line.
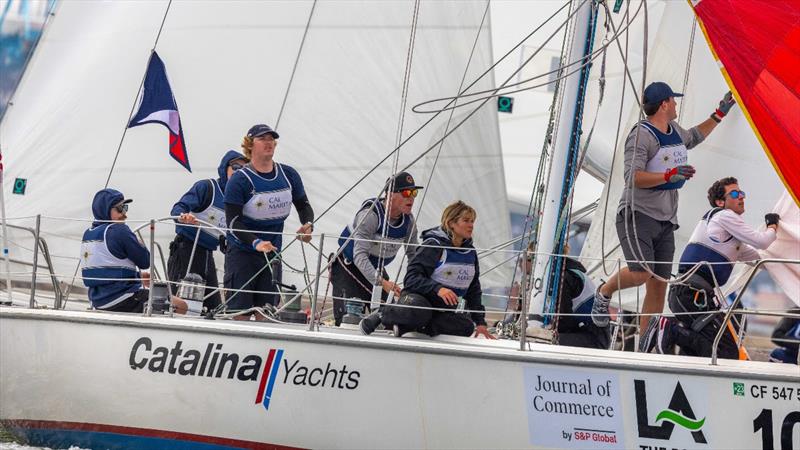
x: 721, y: 238
x: 111, y: 257
x: 205, y: 200
x: 656, y: 167
x: 365, y: 249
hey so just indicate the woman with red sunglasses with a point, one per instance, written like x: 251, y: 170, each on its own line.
x: 365, y: 249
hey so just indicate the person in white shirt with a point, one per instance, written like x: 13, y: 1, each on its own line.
x: 721, y: 238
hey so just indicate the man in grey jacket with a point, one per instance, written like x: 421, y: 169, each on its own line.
x: 365, y: 248
x: 656, y: 166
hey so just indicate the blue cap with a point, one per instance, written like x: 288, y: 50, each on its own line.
x: 260, y: 130
x: 657, y: 92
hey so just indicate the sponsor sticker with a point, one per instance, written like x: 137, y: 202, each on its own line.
x: 573, y: 409
x: 669, y: 411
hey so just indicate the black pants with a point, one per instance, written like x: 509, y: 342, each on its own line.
x: 425, y: 320
x: 133, y: 304
x: 696, y: 337
x: 240, y: 266
x: 348, y: 282
x: 180, y: 250
x: 587, y: 336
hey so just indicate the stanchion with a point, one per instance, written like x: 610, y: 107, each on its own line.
x: 312, y: 322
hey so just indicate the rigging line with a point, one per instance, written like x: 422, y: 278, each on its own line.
x: 446, y: 128
x: 537, y: 193
x: 617, y: 143
x: 138, y: 93
x: 432, y: 146
x: 399, y: 137
x: 546, y: 163
x: 421, y: 127
x: 296, y: 63
x: 574, y: 150
x: 485, y: 100
x: 640, y: 255
x: 688, y: 64
x: 494, y: 91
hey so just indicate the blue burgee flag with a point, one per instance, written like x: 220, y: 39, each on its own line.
x: 157, y: 105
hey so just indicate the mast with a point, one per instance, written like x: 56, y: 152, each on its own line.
x: 563, y: 171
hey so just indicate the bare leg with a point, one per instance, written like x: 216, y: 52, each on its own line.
x: 624, y: 279
x: 655, y: 291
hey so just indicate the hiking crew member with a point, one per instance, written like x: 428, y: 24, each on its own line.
x: 111, y: 257
x: 204, y: 201
x: 656, y: 166
x: 443, y: 270
x: 258, y: 199
x: 365, y: 249
x: 721, y: 238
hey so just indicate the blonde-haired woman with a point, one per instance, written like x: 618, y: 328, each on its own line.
x: 443, y: 269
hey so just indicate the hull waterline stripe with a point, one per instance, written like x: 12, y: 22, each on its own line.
x: 94, y: 431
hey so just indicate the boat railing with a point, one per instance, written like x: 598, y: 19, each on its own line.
x: 318, y: 281
x: 41, y: 243
x: 732, y: 308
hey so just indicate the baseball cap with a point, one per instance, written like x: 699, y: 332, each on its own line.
x: 260, y: 130
x: 657, y: 92
x: 402, y: 181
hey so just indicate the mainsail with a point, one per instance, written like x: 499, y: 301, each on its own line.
x: 231, y: 65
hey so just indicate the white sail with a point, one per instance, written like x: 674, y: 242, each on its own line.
x: 230, y: 64
x: 787, y: 246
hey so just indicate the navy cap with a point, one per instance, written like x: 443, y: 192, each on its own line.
x: 116, y: 197
x: 260, y: 130
x: 402, y: 181
x: 657, y: 92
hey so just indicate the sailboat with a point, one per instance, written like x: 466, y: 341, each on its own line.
x: 326, y: 73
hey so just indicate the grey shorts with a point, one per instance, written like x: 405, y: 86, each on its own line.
x: 656, y: 242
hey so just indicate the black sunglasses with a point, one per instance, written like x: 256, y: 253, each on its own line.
x: 236, y: 166
x: 122, y: 209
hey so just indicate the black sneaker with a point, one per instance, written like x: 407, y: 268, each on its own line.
x: 369, y: 324
x: 660, y: 335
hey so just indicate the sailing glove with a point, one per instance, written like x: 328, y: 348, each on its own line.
x: 725, y: 105
x: 772, y: 219
x: 677, y: 174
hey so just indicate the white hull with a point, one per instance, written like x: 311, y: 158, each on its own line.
x: 81, y: 378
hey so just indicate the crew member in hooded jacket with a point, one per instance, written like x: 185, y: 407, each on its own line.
x: 112, y: 259
x: 205, y: 201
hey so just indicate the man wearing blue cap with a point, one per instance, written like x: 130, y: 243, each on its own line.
x: 656, y: 166
x: 258, y: 199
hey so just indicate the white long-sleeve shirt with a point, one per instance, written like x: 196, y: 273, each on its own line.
x: 723, y: 237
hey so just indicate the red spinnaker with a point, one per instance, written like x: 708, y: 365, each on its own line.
x: 757, y: 43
